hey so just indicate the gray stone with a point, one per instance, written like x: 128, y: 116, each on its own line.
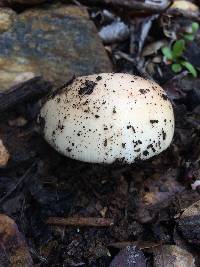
x: 129, y: 257
x: 172, y: 256
x: 189, y: 223
x: 4, y: 155
x: 56, y: 41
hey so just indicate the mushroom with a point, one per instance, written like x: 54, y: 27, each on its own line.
x: 108, y: 117
x: 184, y: 5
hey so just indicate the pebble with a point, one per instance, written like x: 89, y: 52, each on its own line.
x: 189, y: 223
x: 131, y: 256
x: 4, y: 155
x: 13, y: 250
x: 172, y: 256
x: 18, y: 122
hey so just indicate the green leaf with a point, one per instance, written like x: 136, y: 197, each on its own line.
x: 195, y: 27
x: 189, y: 67
x: 176, y: 67
x: 189, y: 37
x: 167, y: 52
x: 178, y: 48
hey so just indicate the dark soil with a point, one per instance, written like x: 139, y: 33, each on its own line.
x: 143, y: 199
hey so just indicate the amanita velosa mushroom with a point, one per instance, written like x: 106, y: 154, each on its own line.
x: 109, y: 117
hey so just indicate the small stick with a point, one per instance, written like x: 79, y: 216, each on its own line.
x: 81, y: 221
x: 139, y: 244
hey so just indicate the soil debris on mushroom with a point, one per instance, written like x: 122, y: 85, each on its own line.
x: 120, y: 117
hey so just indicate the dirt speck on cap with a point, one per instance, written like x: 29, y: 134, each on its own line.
x: 87, y: 88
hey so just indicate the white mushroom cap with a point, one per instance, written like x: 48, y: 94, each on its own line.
x: 109, y: 117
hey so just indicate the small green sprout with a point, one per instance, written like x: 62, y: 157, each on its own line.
x: 190, y: 36
x: 174, y: 54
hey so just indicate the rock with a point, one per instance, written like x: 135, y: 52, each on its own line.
x: 18, y: 122
x: 61, y: 43
x: 7, y: 18
x: 157, y: 191
x: 13, y: 245
x: 129, y: 257
x: 189, y: 223
x: 133, y: 5
x: 25, y: 76
x: 137, y: 4
x: 179, y: 240
x: 172, y: 256
x: 4, y: 155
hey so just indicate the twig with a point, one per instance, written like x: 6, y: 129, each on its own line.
x: 21, y: 180
x: 81, y: 221
x: 29, y: 90
x: 140, y: 244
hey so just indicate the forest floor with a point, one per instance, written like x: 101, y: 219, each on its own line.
x: 71, y: 213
